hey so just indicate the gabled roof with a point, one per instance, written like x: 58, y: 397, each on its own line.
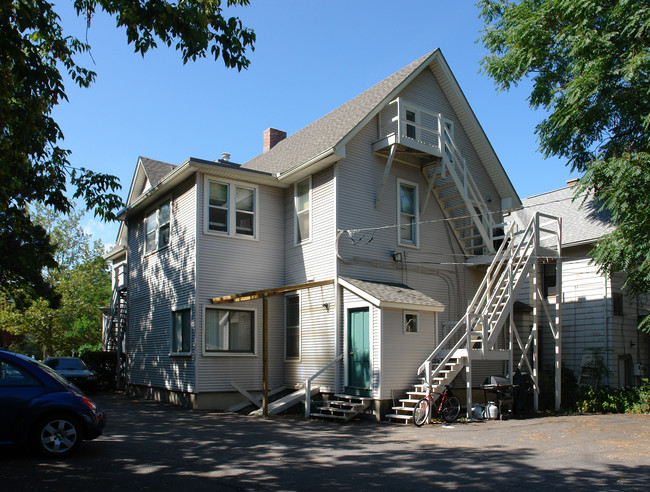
x: 148, y: 173
x: 326, y: 138
x: 582, y: 223
x: 391, y: 295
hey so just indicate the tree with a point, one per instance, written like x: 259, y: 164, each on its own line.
x: 34, y: 56
x: 589, y: 62
x: 81, y: 282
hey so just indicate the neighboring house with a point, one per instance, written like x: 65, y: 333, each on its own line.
x: 359, y: 241
x: 598, y: 319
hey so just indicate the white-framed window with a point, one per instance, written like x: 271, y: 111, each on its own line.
x: 157, y: 228
x: 292, y: 327
x: 231, y: 209
x: 302, y: 207
x: 229, y: 331
x: 410, y: 322
x: 181, y: 330
x: 412, y: 131
x: 407, y: 213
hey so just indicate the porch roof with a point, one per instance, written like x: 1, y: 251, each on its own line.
x: 391, y: 295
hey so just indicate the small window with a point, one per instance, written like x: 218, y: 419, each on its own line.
x: 182, y: 331
x: 229, y: 331
x: 229, y: 204
x: 408, y: 213
x: 292, y: 327
x: 617, y: 303
x: 410, y: 129
x: 302, y: 200
x: 410, y: 323
x: 157, y: 228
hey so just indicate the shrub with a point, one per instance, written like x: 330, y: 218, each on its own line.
x: 643, y: 404
x: 606, y: 399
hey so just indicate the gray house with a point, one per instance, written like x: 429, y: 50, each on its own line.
x: 356, y: 257
x: 598, y: 319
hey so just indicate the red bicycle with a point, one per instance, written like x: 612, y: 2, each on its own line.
x: 446, y: 405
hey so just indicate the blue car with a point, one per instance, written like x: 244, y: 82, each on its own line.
x: 42, y: 410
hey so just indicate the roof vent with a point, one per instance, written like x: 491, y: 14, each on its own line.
x: 225, y: 156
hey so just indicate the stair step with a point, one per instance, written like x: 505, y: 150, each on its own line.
x: 336, y: 409
x: 456, y: 207
x: 444, y: 187
x: 450, y: 197
x: 363, y: 399
x: 402, y: 417
x: 327, y: 416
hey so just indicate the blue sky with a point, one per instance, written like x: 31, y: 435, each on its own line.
x: 310, y: 58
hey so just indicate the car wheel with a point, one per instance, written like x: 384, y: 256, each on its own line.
x: 57, y: 436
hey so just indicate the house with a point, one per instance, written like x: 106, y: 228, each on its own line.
x: 598, y: 319
x: 357, y: 256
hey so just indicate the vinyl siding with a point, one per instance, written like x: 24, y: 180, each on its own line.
x: 230, y: 265
x: 157, y: 282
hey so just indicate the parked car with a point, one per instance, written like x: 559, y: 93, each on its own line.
x: 42, y: 410
x: 75, y: 371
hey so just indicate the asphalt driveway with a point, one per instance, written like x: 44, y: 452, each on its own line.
x: 153, y: 446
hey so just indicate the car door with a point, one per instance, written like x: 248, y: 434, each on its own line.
x: 17, y: 389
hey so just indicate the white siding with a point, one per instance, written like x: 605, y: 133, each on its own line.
x: 230, y: 265
x: 158, y: 282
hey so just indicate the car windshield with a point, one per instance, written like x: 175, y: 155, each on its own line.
x: 66, y: 364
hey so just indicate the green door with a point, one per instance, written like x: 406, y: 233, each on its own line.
x: 358, y: 352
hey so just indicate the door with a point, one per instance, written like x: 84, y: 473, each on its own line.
x: 359, y: 351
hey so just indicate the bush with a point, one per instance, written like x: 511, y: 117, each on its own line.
x: 606, y: 399
x: 643, y: 405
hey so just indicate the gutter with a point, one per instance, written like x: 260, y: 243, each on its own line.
x: 338, y: 153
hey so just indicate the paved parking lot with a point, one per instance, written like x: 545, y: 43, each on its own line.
x: 153, y: 446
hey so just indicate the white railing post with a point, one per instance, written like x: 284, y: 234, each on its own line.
x: 427, y: 373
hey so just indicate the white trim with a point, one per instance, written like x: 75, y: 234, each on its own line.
x: 231, y: 228
x: 416, y: 211
x: 229, y: 307
x: 356, y: 305
x: 156, y: 210
x: 405, y: 313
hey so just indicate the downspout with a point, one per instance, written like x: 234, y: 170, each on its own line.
x: 606, y: 331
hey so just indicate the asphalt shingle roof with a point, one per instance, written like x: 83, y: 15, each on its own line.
x: 156, y: 170
x: 392, y: 292
x: 329, y: 130
x: 582, y: 223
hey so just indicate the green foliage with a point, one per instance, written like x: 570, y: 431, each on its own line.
x: 81, y: 282
x: 643, y: 405
x: 34, y: 56
x: 589, y: 63
x: 607, y: 400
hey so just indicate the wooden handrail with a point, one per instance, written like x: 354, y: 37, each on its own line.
x: 310, y: 379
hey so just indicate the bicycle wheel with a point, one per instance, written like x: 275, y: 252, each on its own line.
x: 421, y: 412
x: 450, y: 409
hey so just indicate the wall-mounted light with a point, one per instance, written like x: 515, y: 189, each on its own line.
x: 488, y: 198
x: 327, y: 306
x: 397, y: 256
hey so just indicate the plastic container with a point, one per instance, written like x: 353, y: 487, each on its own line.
x: 491, y: 411
x: 477, y: 411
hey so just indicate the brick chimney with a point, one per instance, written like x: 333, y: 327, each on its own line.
x: 572, y: 182
x: 272, y: 137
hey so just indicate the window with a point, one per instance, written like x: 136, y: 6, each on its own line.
x: 157, y: 228
x: 617, y: 303
x: 229, y: 331
x: 229, y: 204
x: 292, y: 328
x: 182, y: 331
x: 13, y: 376
x: 410, y: 129
x: 302, y: 200
x: 410, y: 323
x: 408, y: 213
x: 549, y: 280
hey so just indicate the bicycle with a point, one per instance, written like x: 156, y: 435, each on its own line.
x: 446, y: 405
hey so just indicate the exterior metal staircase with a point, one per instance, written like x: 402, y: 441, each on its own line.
x: 475, y: 336
x: 115, y: 323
